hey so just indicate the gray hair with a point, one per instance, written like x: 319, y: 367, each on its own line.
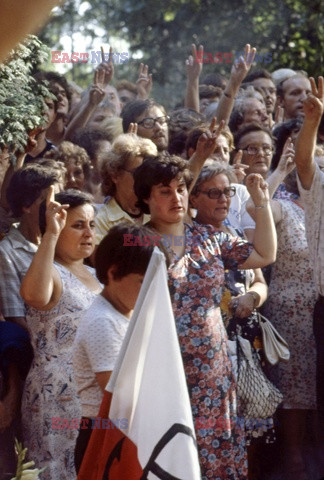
x: 212, y: 170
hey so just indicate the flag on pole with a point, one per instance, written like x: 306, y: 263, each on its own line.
x: 145, y: 426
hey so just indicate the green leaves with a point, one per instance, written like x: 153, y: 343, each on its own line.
x: 22, y: 103
x: 163, y: 31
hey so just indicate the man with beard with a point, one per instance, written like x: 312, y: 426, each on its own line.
x: 151, y: 119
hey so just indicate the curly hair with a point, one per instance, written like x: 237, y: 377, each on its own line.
x: 126, y: 147
x: 67, y: 151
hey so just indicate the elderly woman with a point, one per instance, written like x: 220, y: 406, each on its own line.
x: 117, y: 170
x: 244, y: 290
x: 211, y: 197
x: 196, y: 276
x: 57, y: 288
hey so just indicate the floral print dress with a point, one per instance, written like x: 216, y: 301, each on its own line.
x: 195, y: 283
x: 290, y: 305
x: 50, y: 396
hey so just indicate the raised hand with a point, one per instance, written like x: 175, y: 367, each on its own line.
x: 132, y: 128
x: 144, y: 82
x: 313, y: 105
x: 242, y: 65
x: 238, y: 167
x: 194, y: 63
x: 107, y: 67
x: 55, y: 214
x: 97, y: 92
x: 258, y: 189
x: 286, y: 163
x: 207, y: 141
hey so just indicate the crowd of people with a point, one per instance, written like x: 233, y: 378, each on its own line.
x: 233, y: 178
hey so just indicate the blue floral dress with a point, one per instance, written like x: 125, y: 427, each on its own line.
x: 50, y: 395
x: 195, y: 283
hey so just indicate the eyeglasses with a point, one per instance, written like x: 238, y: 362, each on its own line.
x: 215, y: 193
x: 150, y: 122
x: 252, y: 150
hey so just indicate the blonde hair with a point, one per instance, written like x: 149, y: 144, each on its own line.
x: 126, y: 147
x: 113, y: 126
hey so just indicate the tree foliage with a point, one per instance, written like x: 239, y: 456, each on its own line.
x: 292, y: 30
x: 21, y: 97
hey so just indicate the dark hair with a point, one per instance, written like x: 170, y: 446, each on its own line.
x: 215, y: 79
x: 72, y: 197
x: 182, y: 120
x: 52, y: 78
x: 251, y: 127
x: 281, y: 132
x: 209, y: 91
x: 27, y: 184
x: 132, y: 110
x: 126, y: 85
x: 155, y: 170
x: 116, y: 249
x: 89, y: 137
x: 261, y: 73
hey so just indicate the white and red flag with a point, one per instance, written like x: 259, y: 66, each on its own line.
x: 150, y: 432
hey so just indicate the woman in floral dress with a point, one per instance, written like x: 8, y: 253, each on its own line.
x: 196, y: 276
x: 290, y: 305
x: 56, y: 294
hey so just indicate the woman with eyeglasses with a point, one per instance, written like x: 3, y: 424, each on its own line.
x: 244, y: 290
x: 256, y: 142
x: 199, y: 256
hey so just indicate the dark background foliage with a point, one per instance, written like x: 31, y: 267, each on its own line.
x: 291, y: 30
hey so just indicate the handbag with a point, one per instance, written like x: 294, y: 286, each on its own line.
x: 275, y: 347
x: 258, y: 397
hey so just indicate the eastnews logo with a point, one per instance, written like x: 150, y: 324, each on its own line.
x: 96, y: 423
x: 87, y: 57
x: 230, y: 57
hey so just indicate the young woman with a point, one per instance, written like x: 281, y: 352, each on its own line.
x: 57, y: 288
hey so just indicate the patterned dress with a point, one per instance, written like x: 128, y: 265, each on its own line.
x: 50, y: 392
x: 290, y: 305
x: 195, y: 283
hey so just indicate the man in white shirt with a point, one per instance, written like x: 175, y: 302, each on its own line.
x: 311, y: 187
